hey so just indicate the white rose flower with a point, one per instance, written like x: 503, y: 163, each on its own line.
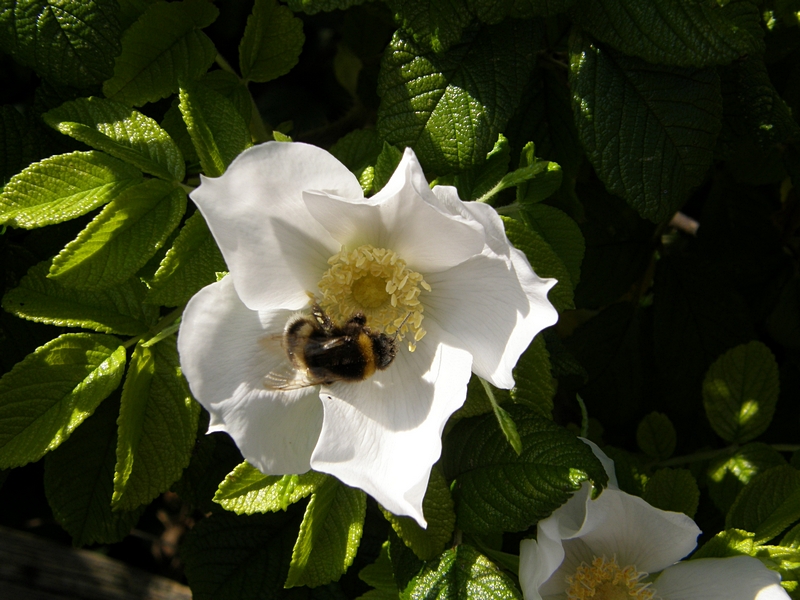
x: 292, y: 222
x: 610, y: 549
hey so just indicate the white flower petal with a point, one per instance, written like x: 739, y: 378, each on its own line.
x: 734, y: 578
x: 538, y: 560
x: 275, y: 250
x: 619, y: 524
x: 493, y: 310
x: 399, y: 219
x: 226, y: 353
x: 608, y: 464
x: 384, y: 434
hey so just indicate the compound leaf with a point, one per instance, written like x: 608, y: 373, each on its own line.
x: 63, y: 187
x: 52, y: 391
x: 122, y: 238
x: 164, y: 47
x: 122, y: 132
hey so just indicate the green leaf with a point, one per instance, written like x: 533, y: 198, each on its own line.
x: 329, y: 535
x: 190, y: 264
x: 122, y: 132
x: 675, y: 32
x: 433, y: 25
x: 437, y: 506
x: 218, y: 131
x: 157, y: 426
x: 504, y: 420
x: 63, y: 187
x: 359, y: 151
x: 656, y: 436
x: 673, y: 489
x: 496, y: 10
x: 764, y: 501
x: 496, y: 490
x: 534, y: 384
x: 23, y: 142
x: 312, y: 7
x: 731, y: 542
x: 648, y: 130
x: 451, y: 107
x: 272, y: 42
x: 784, y: 515
x: 70, y: 43
x: 728, y: 475
x: 561, y: 233
x: 740, y: 392
x: 536, y: 179
x: 462, y: 573
x: 117, y: 309
x: 47, y: 395
x: 247, y: 491
x: 79, y: 480
x: 387, y: 162
x: 122, y: 238
x: 544, y: 261
x: 229, y: 557
x: 482, y: 182
x: 164, y: 47
x: 753, y: 108
x: 380, y: 576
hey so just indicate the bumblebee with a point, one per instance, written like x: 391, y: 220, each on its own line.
x: 321, y: 352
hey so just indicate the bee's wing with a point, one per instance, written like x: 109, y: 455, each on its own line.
x: 284, y: 375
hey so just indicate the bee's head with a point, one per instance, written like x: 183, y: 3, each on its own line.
x: 385, y: 349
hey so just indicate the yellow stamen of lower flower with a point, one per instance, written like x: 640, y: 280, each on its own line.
x: 377, y: 282
x: 605, y: 580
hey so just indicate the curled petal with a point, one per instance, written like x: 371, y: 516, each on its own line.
x: 226, y: 360
x: 733, y: 578
x: 398, y: 218
x: 492, y: 311
x: 275, y: 250
x: 384, y: 435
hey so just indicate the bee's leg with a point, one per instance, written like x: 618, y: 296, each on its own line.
x: 322, y: 318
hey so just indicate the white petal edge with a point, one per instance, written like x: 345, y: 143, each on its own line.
x: 400, y: 219
x: 384, y: 435
x: 608, y: 464
x: 485, y: 306
x: 274, y: 248
x: 733, y: 578
x: 226, y: 351
x: 622, y: 525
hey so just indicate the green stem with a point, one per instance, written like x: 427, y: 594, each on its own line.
x: 162, y: 325
x: 712, y: 454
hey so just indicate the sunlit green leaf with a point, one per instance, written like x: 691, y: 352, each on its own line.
x: 157, y: 426
x: 122, y: 238
x: 122, y: 132
x: 117, y: 309
x: 329, y: 535
x: 740, y: 392
x: 63, y: 187
x: 47, y: 395
x: 247, y: 491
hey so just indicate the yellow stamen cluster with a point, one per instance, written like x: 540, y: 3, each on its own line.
x: 378, y: 283
x: 605, y: 580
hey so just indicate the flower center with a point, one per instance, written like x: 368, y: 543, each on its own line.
x: 605, y: 580
x: 377, y: 282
